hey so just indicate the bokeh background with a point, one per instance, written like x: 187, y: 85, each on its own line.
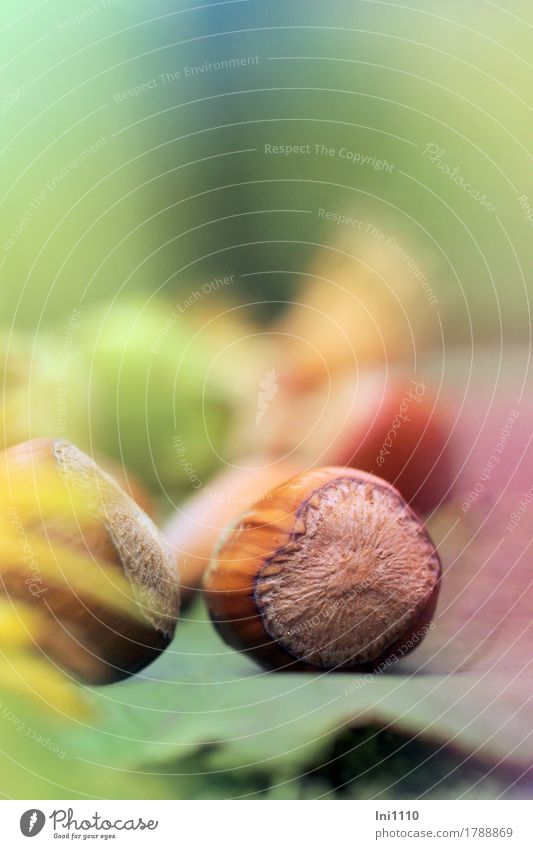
x: 203, y: 203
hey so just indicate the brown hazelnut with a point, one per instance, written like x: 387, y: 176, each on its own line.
x: 331, y: 570
x: 90, y: 560
x: 397, y: 430
x: 360, y: 306
x: 393, y: 426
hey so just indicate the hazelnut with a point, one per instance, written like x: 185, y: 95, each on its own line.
x: 331, y: 570
x: 396, y: 430
x: 90, y: 560
x: 413, y: 452
x: 389, y: 425
x: 130, y: 483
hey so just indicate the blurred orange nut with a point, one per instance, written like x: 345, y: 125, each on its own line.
x: 195, y: 526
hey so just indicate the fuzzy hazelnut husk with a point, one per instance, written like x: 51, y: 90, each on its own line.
x: 197, y: 524
x: 130, y: 483
x: 331, y: 570
x: 107, y: 583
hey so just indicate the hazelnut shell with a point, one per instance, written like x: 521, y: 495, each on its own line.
x: 331, y: 570
x: 118, y: 614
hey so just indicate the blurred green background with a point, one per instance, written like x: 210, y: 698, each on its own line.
x: 171, y: 175
x: 138, y: 167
